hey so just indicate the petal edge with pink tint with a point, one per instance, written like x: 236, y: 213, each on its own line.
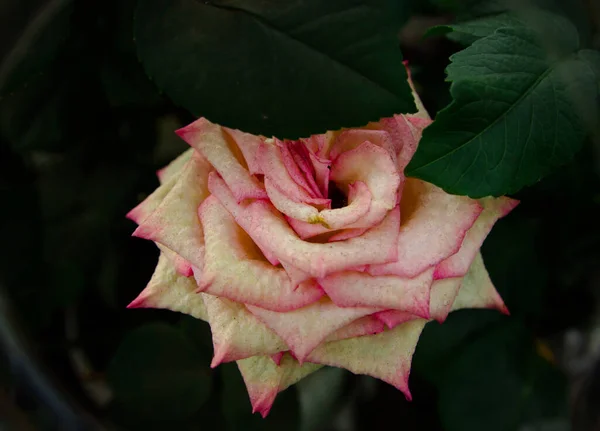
x: 233, y: 267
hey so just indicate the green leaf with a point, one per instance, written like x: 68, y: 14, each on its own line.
x: 469, y: 31
x: 524, y: 99
x: 289, y: 69
x: 158, y: 373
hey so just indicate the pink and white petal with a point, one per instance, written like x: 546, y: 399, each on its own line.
x: 358, y: 289
x: 477, y: 290
x: 305, y: 328
x: 443, y: 293
x: 264, y: 379
x: 375, y: 167
x: 458, y: 264
x: 271, y: 163
x: 270, y: 230
x: 393, y: 318
x: 248, y: 145
x: 175, y: 167
x: 351, y: 139
x: 175, y: 223
x: 289, y: 207
x: 276, y: 357
x: 359, y: 203
x: 235, y: 269
x: 181, y: 265
x: 368, y: 325
x: 169, y: 290
x: 211, y: 141
x: 305, y: 229
x: 386, y: 356
x: 322, y: 172
x: 237, y: 333
x: 434, y: 225
x: 297, y: 276
x: 345, y: 234
x: 296, y: 159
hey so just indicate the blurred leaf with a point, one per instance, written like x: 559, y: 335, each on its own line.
x: 511, y: 257
x: 158, y: 373
x: 37, y: 46
x: 499, y: 383
x: 320, y: 395
x: 440, y: 343
x: 277, y: 68
x: 238, y: 411
x: 524, y: 99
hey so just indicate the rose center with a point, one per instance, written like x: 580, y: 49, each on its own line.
x: 337, y: 196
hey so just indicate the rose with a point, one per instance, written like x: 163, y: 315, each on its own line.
x: 313, y: 252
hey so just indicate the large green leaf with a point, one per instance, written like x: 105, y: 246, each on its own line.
x: 524, y: 99
x: 158, y: 373
x: 288, y: 68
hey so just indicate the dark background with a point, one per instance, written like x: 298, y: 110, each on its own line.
x: 82, y: 132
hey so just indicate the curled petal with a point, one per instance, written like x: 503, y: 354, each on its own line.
x: 374, y: 166
x: 270, y: 230
x: 296, y: 159
x: 211, y: 141
x: 386, y: 356
x: 236, y: 270
x: 248, y: 145
x: 271, y: 163
x: 236, y: 333
x: 458, y: 264
x: 434, y: 225
x: 357, y: 289
x: 174, y: 223
x: 305, y: 328
x: 289, y: 207
x: 169, y: 290
x: 264, y: 379
x: 359, y: 203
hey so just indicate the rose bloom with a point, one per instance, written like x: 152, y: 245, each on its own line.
x: 313, y: 252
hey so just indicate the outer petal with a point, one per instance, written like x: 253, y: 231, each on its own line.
x: 477, y: 290
x: 443, y: 293
x: 393, y: 318
x: 174, y: 223
x: 181, y: 265
x: 368, y: 325
x: 386, y: 356
x: 236, y: 333
x: 434, y: 225
x: 235, y: 269
x: 307, y: 327
x: 248, y: 144
x: 175, y: 167
x: 211, y: 141
x: 270, y: 231
x: 458, y: 264
x: 167, y: 289
x: 357, y: 289
x: 264, y: 379
x: 152, y: 202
